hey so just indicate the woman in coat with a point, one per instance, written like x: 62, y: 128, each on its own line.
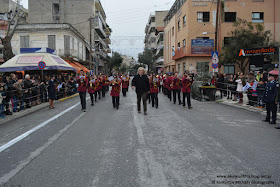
x: 51, y: 91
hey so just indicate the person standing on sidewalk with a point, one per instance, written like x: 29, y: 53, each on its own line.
x: 51, y: 91
x: 141, y: 82
x: 269, y: 97
x: 82, y: 89
x: 240, y: 84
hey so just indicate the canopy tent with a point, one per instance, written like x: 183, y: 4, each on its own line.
x: 274, y: 72
x: 29, y: 62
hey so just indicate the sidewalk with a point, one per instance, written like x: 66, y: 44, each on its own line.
x: 28, y: 111
x: 243, y: 106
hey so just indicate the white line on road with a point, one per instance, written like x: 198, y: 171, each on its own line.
x: 5, y: 178
x: 21, y: 137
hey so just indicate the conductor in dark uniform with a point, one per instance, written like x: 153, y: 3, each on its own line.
x: 269, y: 98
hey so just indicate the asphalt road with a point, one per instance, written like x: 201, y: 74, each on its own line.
x: 210, y: 145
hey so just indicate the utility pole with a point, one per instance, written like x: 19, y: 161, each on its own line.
x: 90, y: 43
x: 217, y: 25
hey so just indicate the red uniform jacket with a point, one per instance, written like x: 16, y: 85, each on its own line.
x: 186, y: 85
x: 154, y: 87
x: 168, y: 83
x: 82, y: 85
x: 176, y: 83
x: 125, y: 83
x: 116, y: 88
x: 91, y: 87
x: 103, y: 80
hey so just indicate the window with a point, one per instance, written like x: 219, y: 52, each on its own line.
x: 230, y: 16
x: 184, y: 66
x: 51, y: 42
x: 184, y: 43
x: 184, y: 20
x: 66, y: 45
x: 203, y: 16
x: 56, y: 9
x: 78, y: 48
x: 73, y: 46
x: 202, y: 67
x: 227, y: 40
x: 203, y: 38
x: 179, y: 68
x: 179, y: 25
x: 1, y: 51
x: 24, y: 41
x: 172, y: 31
x: 179, y: 45
x: 229, y: 69
x: 257, y: 17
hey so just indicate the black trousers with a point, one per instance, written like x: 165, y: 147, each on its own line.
x: 116, y: 102
x: 99, y: 94
x: 154, y: 97
x: 160, y: 88
x: 149, y: 97
x: 271, y: 108
x: 92, y: 98
x: 169, y: 94
x: 124, y: 90
x: 177, y: 92
x: 188, y: 95
x: 103, y: 91
x: 83, y: 99
x: 142, y: 96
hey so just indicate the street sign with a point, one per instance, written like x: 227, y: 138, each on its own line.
x: 215, y: 57
x: 42, y: 65
x: 215, y: 66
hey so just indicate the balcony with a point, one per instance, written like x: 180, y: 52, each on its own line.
x: 160, y: 61
x: 107, y: 40
x: 100, y: 53
x: 160, y: 47
x: 107, y: 31
x: 98, y: 39
x: 183, y: 53
x: 98, y: 26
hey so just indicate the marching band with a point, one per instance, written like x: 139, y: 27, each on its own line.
x: 171, y: 86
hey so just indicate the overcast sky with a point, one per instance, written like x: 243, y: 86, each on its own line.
x: 129, y: 18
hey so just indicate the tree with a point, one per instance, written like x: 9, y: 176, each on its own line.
x: 245, y: 35
x: 13, y: 19
x: 115, y: 61
x: 146, y: 58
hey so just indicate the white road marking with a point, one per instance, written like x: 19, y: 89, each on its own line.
x: 24, y: 135
x: 151, y: 172
x: 5, y: 178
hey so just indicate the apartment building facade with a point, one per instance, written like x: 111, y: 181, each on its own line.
x: 194, y: 30
x: 79, y: 16
x: 154, y: 38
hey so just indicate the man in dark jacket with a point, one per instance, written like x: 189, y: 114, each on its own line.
x: 141, y: 82
x: 269, y: 97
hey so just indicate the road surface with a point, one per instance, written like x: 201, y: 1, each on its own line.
x: 210, y: 145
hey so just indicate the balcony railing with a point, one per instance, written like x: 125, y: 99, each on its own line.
x: 98, y: 26
x: 180, y: 53
x: 201, y: 51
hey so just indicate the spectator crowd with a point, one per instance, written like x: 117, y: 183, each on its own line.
x: 18, y: 94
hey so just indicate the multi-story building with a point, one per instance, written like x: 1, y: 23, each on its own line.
x: 154, y: 36
x: 75, y: 16
x: 7, y: 7
x: 192, y: 25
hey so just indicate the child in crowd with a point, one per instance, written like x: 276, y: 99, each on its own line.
x: 260, y: 92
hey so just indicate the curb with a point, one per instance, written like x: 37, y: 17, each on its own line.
x: 262, y: 112
x: 30, y: 111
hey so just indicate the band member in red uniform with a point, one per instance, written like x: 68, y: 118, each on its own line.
x: 99, y: 88
x: 91, y: 88
x: 168, y: 85
x: 96, y: 86
x: 103, y: 83
x: 125, y: 84
x: 154, y: 86
x: 82, y: 81
x: 160, y: 77
x: 186, y: 89
x: 115, y: 93
x: 176, y: 88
